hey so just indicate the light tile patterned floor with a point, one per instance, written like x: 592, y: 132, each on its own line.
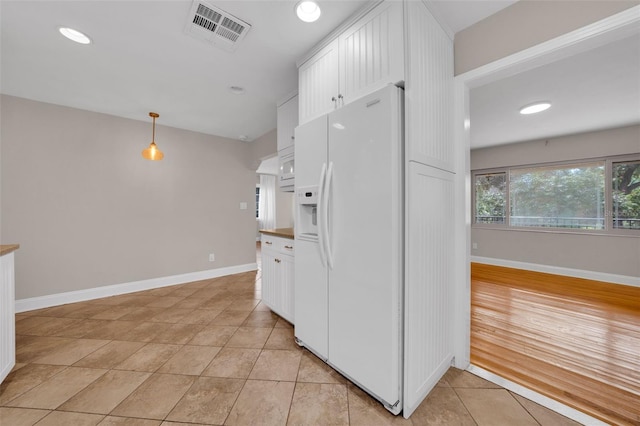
x: 208, y: 352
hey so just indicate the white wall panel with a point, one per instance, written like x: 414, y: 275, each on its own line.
x: 428, y: 89
x: 429, y: 275
x: 7, y: 315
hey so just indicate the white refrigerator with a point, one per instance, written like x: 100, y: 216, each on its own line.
x: 349, y: 242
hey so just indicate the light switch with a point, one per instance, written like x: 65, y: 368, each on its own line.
x: 243, y: 206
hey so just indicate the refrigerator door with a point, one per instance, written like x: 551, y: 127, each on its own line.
x: 366, y: 240
x: 311, y: 304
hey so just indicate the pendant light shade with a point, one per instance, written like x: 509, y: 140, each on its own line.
x: 152, y: 152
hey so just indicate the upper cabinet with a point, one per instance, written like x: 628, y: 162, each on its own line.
x: 372, y: 52
x: 363, y: 58
x: 318, y: 83
x: 428, y: 90
x: 287, y: 121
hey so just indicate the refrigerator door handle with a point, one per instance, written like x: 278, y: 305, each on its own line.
x: 325, y: 215
x: 321, y: 241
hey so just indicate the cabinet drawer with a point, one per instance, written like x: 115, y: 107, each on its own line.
x: 277, y: 244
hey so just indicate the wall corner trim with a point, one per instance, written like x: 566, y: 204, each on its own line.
x: 559, y: 270
x: 29, y: 304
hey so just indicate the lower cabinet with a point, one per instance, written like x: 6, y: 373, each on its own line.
x: 277, y: 275
x: 7, y: 315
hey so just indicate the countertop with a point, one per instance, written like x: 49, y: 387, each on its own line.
x: 279, y: 232
x: 8, y: 248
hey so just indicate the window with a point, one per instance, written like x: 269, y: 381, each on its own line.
x: 257, y: 201
x: 491, y: 198
x: 565, y: 196
x: 626, y: 195
x: 573, y: 196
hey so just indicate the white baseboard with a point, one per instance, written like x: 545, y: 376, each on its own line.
x: 536, y: 397
x: 558, y: 270
x: 47, y: 301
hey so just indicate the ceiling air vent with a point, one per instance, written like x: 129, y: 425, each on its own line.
x: 213, y: 25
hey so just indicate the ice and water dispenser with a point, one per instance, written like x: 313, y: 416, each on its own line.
x: 307, y: 223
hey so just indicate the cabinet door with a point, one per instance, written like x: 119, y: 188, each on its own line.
x: 429, y: 276
x: 270, y: 279
x: 428, y: 91
x: 318, y: 83
x: 7, y: 315
x: 372, y: 52
x: 287, y: 282
x: 287, y: 121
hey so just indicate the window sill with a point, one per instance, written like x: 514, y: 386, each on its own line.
x: 600, y: 233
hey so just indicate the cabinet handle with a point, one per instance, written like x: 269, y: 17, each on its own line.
x: 335, y: 102
x: 268, y: 242
x: 277, y: 260
x: 293, y: 138
x: 289, y: 247
x: 341, y: 99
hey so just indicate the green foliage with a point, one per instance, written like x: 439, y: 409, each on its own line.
x: 571, y: 196
x: 626, y: 194
x: 490, y: 198
x: 567, y: 192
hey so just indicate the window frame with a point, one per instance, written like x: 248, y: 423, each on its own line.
x: 608, y: 208
x: 608, y: 197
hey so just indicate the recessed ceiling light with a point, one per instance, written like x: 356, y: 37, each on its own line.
x: 308, y: 11
x: 236, y: 90
x: 74, y: 35
x: 534, y: 108
x: 243, y: 138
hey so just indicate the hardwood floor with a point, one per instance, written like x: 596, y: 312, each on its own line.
x: 574, y: 340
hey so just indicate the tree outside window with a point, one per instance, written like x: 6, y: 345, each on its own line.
x: 580, y: 195
x: 626, y: 195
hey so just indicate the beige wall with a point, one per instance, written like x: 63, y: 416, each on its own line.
x: 525, y: 24
x: 265, y: 146
x: 599, y: 253
x: 88, y: 211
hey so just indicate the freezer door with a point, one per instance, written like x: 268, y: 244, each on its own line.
x: 311, y: 304
x: 310, y: 151
x: 366, y: 240
x: 311, y: 313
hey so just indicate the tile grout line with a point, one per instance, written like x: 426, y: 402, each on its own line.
x: 525, y: 408
x: 455, y: 390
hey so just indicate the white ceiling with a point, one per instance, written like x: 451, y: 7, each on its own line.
x: 594, y: 90
x: 141, y: 60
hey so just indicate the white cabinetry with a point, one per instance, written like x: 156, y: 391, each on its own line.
x: 429, y: 90
x: 362, y: 59
x: 372, y: 52
x: 7, y: 316
x: 287, y: 121
x: 318, y: 83
x: 277, y: 275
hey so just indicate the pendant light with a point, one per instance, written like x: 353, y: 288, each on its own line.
x: 153, y: 153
